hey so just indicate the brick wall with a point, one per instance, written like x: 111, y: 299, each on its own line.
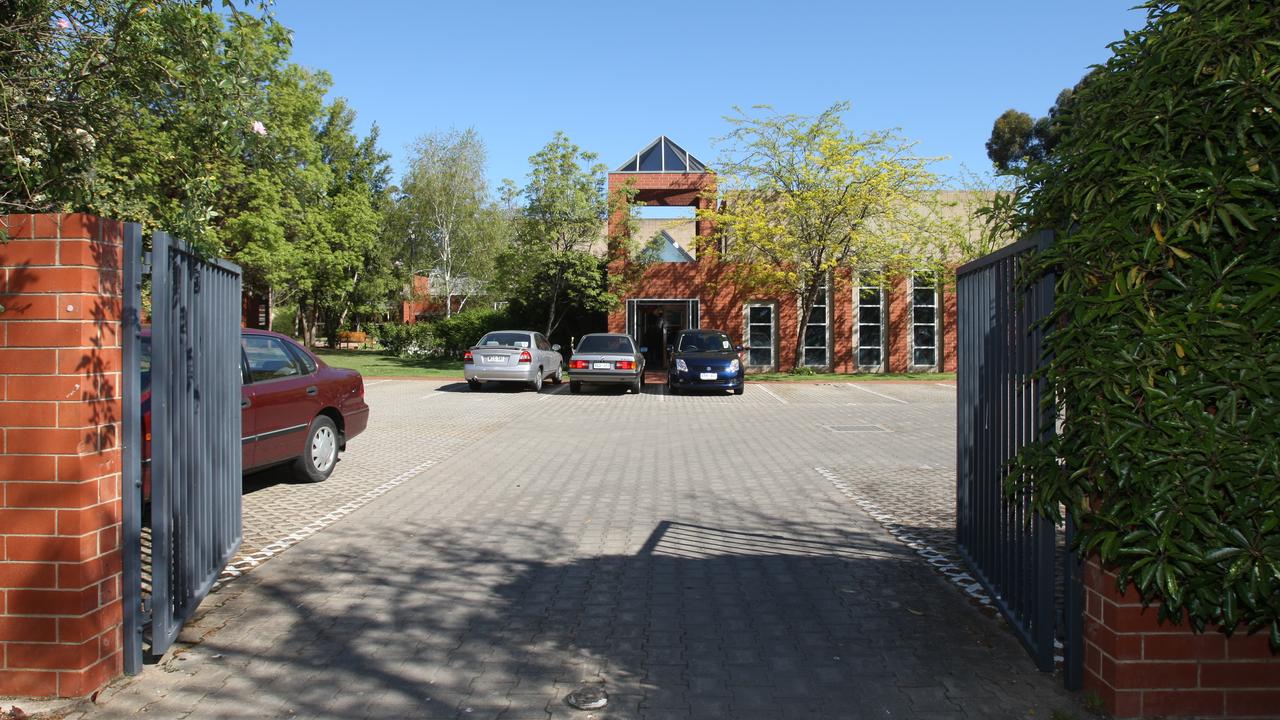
x: 1142, y: 669
x: 60, y: 609
x: 721, y: 304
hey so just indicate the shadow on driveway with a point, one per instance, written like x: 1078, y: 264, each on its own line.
x: 702, y: 622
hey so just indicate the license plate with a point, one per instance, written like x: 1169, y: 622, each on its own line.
x: 495, y: 358
x: 707, y: 376
x: 602, y: 366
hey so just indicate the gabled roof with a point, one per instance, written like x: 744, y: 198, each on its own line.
x: 663, y: 155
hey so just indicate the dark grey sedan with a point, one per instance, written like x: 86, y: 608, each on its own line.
x: 607, y: 359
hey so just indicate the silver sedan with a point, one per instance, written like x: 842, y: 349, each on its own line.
x: 607, y: 358
x: 513, y: 356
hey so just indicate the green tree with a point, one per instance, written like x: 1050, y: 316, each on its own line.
x: 1164, y: 342
x: 129, y: 110
x: 552, y: 264
x: 1017, y: 140
x: 803, y: 196
x: 446, y: 226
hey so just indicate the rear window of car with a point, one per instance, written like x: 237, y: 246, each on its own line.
x: 508, y: 339
x: 606, y: 344
x: 704, y: 342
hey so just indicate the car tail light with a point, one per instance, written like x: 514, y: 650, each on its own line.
x: 525, y: 356
x: 625, y: 365
x: 577, y: 364
x: 466, y: 356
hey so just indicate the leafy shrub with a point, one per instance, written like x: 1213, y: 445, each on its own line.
x: 1165, y: 338
x: 455, y: 334
x: 403, y: 339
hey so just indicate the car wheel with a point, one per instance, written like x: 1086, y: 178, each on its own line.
x: 475, y: 385
x: 575, y: 387
x: 536, y: 383
x: 320, y: 454
x: 739, y: 390
x: 637, y: 385
x: 672, y: 389
x: 558, y: 377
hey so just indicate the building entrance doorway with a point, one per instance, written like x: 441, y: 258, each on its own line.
x: 654, y: 324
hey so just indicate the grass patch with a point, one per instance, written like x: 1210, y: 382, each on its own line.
x: 372, y: 363
x: 848, y: 377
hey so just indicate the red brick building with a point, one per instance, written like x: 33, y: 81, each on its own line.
x: 424, y: 304
x: 907, y: 325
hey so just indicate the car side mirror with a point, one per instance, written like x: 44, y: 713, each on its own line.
x: 556, y: 348
x: 644, y: 350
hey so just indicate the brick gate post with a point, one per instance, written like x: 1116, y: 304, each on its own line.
x: 60, y: 481
x: 1140, y: 668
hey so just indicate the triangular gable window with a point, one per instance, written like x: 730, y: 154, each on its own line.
x: 663, y: 155
x: 672, y: 252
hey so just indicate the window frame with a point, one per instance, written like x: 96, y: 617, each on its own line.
x: 309, y: 364
x: 826, y: 326
x: 773, y: 334
x: 937, y: 317
x: 858, y: 324
x: 284, y: 347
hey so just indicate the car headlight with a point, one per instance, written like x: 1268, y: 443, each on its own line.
x: 734, y: 365
x: 681, y: 366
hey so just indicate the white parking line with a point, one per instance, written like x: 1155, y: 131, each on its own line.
x: 873, y: 392
x: 375, y: 382
x: 772, y: 393
x: 947, y: 385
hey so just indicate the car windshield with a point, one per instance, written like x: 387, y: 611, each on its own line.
x: 606, y: 344
x: 508, y: 339
x: 704, y: 342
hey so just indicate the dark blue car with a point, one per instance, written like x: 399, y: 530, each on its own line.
x: 704, y: 360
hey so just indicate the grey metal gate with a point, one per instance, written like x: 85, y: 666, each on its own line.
x: 1019, y: 556
x: 194, y: 403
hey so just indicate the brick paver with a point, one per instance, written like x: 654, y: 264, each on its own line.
x: 684, y: 552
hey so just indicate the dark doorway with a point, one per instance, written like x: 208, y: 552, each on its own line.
x: 656, y: 324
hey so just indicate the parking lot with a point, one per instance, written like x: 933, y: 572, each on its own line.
x: 483, y: 554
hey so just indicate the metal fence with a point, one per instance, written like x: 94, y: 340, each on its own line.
x: 1019, y: 556
x: 194, y: 402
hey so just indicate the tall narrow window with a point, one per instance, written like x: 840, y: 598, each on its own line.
x: 760, y: 334
x: 815, y: 331
x: 870, y: 333
x: 924, y: 321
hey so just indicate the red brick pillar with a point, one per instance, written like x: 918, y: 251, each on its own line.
x: 1139, y: 668
x: 899, y: 325
x: 60, y: 413
x: 950, y: 336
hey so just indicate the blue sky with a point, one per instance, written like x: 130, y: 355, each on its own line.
x: 614, y: 76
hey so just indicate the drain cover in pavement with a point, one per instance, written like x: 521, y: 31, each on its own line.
x: 855, y: 428
x: 588, y: 697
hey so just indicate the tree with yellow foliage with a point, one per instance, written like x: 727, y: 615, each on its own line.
x: 802, y: 196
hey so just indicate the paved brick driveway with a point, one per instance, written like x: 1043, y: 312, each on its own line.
x: 691, y: 554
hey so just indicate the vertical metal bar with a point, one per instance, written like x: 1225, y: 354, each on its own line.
x: 997, y: 429
x: 161, y: 432
x: 131, y: 450
x: 961, y: 438
x: 1073, y: 613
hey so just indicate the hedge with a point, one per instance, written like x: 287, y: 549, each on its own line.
x: 1165, y: 338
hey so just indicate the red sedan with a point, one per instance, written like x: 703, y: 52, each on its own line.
x: 295, y: 409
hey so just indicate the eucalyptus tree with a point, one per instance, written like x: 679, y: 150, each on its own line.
x: 445, y: 225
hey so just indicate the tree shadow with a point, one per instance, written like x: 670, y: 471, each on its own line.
x: 702, y: 621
